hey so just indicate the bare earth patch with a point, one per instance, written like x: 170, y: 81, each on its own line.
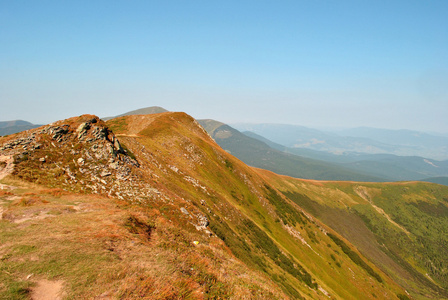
x: 8, y: 167
x: 48, y: 290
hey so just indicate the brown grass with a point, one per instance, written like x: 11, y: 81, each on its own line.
x: 100, y: 246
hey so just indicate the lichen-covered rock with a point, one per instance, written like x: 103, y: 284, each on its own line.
x: 79, y: 154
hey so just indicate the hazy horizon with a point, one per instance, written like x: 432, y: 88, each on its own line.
x: 321, y: 65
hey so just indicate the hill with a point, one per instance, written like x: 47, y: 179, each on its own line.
x: 150, y: 206
x: 4, y: 124
x: 11, y: 127
x: 259, y: 154
x: 142, y: 111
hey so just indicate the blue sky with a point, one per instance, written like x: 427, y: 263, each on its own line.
x: 315, y: 63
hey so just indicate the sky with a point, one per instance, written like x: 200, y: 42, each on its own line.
x: 316, y: 63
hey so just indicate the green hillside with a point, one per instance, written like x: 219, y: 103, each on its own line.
x: 401, y: 227
x: 387, y: 166
x: 258, y: 154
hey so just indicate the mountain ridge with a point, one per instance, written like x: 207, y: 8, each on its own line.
x: 259, y: 154
x: 367, y: 140
x: 181, y: 187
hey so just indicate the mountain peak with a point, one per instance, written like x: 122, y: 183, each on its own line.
x: 142, y: 111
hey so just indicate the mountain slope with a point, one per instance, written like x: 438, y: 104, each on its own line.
x: 361, y: 140
x: 136, y: 243
x: 209, y: 225
x: 258, y: 154
x: 387, y: 166
x: 401, y: 227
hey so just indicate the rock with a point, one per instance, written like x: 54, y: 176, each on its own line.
x: 42, y: 159
x: 105, y: 173
x: 117, y: 146
x: 184, y: 211
x: 83, y: 127
x: 114, y: 165
x: 203, y: 221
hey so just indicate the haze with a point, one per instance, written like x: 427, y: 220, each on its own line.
x: 315, y: 63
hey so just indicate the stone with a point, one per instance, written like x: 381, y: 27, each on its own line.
x: 105, y: 173
x: 114, y: 165
x: 203, y: 221
x: 184, y: 211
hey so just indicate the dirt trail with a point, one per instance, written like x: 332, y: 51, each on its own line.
x: 47, y: 290
x: 9, y: 165
x: 365, y: 195
x: 4, y: 171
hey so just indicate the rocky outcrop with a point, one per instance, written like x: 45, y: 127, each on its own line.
x: 79, y: 154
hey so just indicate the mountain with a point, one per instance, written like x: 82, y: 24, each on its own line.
x: 294, y: 136
x: 387, y: 166
x: 397, y: 137
x: 258, y: 154
x: 439, y: 180
x: 360, y: 140
x: 149, y: 206
x: 10, y: 127
x: 142, y: 111
x: 5, y: 124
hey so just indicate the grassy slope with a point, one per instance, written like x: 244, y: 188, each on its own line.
x: 401, y: 227
x: 256, y: 153
x: 105, y: 246
x: 100, y: 246
x: 248, y: 214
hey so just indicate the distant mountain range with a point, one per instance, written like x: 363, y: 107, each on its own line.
x: 259, y: 154
x: 359, y: 140
x: 387, y: 166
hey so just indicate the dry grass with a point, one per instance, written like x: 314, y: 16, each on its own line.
x: 99, y: 246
